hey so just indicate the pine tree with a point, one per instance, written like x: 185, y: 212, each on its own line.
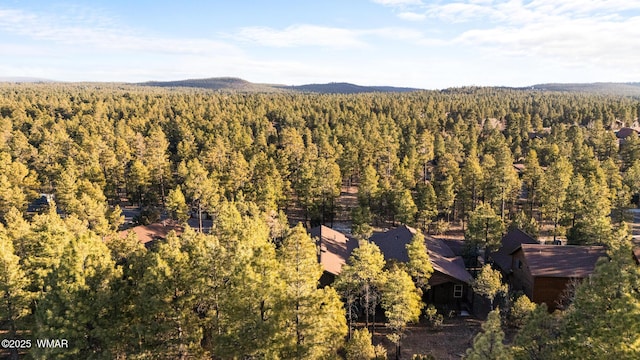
x: 427, y: 204
x: 472, y: 178
x: 489, y: 284
x: 40, y: 248
x: 200, y: 188
x: 165, y: 321
x: 361, y: 222
x: 425, y: 151
x: 589, y: 204
x: 525, y: 223
x: 485, y: 229
x: 359, y: 347
x: 14, y: 297
x: 406, y: 209
x: 520, y: 310
x: 362, y: 279
x: 156, y: 159
x: 140, y: 179
x: 419, y: 266
x: 488, y: 344
x: 368, y: 188
x: 537, y: 337
x: 553, y: 194
x: 604, y: 318
x: 250, y: 312
x: 315, y: 319
x: 74, y: 303
x: 446, y: 179
x: 177, y: 205
x: 501, y: 182
x: 401, y: 303
x: 532, y: 178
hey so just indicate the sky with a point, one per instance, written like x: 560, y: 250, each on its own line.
x: 429, y: 44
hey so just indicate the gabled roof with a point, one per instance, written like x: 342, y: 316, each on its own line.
x: 510, y: 242
x: 393, y: 243
x: 445, y: 261
x: 151, y: 232
x: 624, y: 132
x: 563, y: 261
x: 335, y: 248
x: 457, y: 246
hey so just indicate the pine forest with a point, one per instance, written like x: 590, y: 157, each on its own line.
x: 237, y: 180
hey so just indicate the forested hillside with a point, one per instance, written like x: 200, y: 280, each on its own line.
x: 249, y: 288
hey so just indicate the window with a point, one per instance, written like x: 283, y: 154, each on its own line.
x: 519, y: 264
x: 457, y: 291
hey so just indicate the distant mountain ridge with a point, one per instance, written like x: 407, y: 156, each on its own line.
x: 345, y: 88
x: 24, y: 79
x: 240, y: 85
x: 237, y: 84
x: 219, y: 83
x: 629, y: 88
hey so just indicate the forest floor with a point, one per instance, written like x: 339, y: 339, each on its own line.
x: 448, y: 342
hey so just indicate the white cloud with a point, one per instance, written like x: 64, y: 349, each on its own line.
x: 397, y: 2
x: 330, y: 37
x: 581, y: 7
x: 600, y: 34
x: 460, y: 12
x: 412, y: 16
x: 301, y: 35
x: 100, y: 33
x: 516, y: 11
x: 576, y: 42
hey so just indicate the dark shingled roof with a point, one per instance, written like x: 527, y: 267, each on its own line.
x: 625, y: 132
x: 335, y: 248
x: 510, y: 242
x: 393, y: 244
x: 457, y: 246
x: 563, y: 261
x: 445, y: 261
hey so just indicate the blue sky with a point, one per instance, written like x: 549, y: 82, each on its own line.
x: 428, y: 44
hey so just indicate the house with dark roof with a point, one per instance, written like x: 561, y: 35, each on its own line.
x: 544, y: 272
x: 509, y: 243
x: 450, y: 281
x: 625, y: 132
x: 393, y: 243
x: 334, y: 249
x: 42, y: 204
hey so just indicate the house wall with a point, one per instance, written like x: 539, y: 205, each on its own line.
x: 550, y: 290
x: 326, y: 279
x: 521, y: 279
x: 442, y: 296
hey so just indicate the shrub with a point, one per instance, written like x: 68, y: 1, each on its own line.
x: 381, y: 352
x: 359, y: 346
x: 520, y: 309
x: 441, y: 226
x: 423, y: 357
x: 433, y: 318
